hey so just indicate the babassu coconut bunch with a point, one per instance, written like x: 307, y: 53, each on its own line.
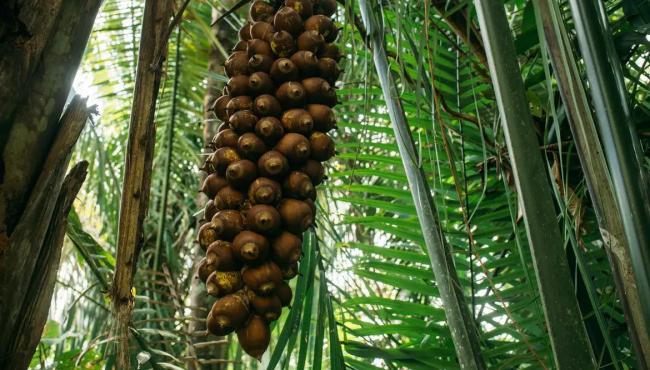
x: 266, y: 162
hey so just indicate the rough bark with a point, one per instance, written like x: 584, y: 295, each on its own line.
x: 596, y: 173
x: 44, y: 68
x: 23, y: 36
x: 138, y: 166
x: 20, y: 265
x: 35, y: 310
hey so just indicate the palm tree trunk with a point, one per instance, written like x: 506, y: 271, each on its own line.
x: 620, y: 141
x: 463, y: 329
x: 37, y: 67
x: 596, y: 173
x: 137, y: 172
x: 571, y: 347
x: 35, y: 246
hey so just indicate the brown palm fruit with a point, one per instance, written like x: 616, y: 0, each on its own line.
x: 261, y: 11
x: 257, y: 46
x: 283, y: 291
x: 228, y: 314
x: 310, y: 41
x: 321, y: 24
x: 330, y: 50
x: 264, y: 191
x: 222, y: 158
x: 289, y: 271
x: 283, y: 44
x: 229, y: 198
x: 263, y: 219
x: 297, y: 216
x: 210, y: 210
x: 319, y: 91
x: 269, y: 129
x: 238, y: 104
x: 325, y: 7
x: 286, y: 249
x: 290, y: 94
x: 262, y: 279
x: 270, y: 308
x: 323, y: 116
x: 306, y: 62
x: 260, y: 83
x: 237, y: 64
x: 322, y: 146
x: 304, y: 8
x: 225, y: 138
x: 212, y: 184
x: 205, y: 269
x: 267, y: 106
x: 297, y: 120
x: 227, y: 224
x: 221, y: 254
x: 251, y: 146
x: 287, y: 19
x: 219, y: 107
x: 283, y: 70
x: 242, y: 121
x: 255, y: 336
x: 276, y: 112
x: 329, y: 69
x: 311, y: 205
x: 262, y: 30
x: 245, y: 32
x: 260, y: 63
x: 238, y: 85
x: 241, y: 45
x: 294, y: 147
x: 250, y: 247
x: 241, y: 173
x: 314, y: 169
x: 273, y: 164
x: 298, y: 185
x: 221, y: 283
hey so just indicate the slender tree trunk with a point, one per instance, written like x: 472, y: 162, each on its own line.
x: 198, y: 296
x: 596, y: 173
x: 137, y: 172
x: 464, y: 331
x: 571, y: 347
x: 41, y: 45
x: 620, y: 140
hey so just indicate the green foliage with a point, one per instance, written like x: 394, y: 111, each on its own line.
x: 366, y: 297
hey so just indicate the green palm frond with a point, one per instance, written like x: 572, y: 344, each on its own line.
x: 366, y: 297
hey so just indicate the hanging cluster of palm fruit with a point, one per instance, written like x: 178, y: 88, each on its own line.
x: 277, y: 111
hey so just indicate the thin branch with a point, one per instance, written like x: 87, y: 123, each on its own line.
x: 228, y: 12
x: 137, y: 172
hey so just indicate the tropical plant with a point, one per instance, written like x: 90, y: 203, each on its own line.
x: 367, y: 296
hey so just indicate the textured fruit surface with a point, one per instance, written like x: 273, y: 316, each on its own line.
x: 255, y: 336
x: 265, y: 165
